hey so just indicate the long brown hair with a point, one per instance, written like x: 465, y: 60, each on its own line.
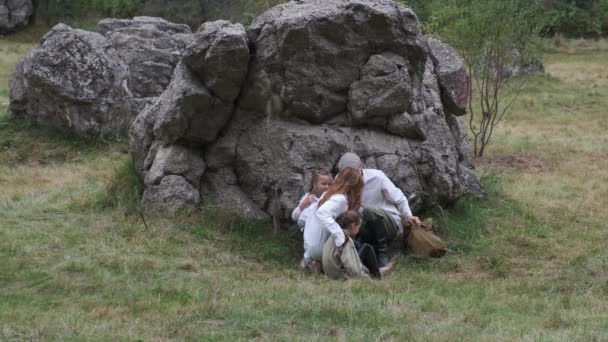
x: 349, y: 182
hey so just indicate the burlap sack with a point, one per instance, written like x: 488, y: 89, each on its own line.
x: 422, y: 241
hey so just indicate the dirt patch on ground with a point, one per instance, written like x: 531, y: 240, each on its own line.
x: 521, y: 162
x: 472, y: 271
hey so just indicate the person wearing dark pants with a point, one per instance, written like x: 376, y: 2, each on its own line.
x: 378, y: 229
x: 384, y: 206
x: 368, y: 258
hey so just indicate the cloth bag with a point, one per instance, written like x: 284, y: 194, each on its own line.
x: 423, y: 242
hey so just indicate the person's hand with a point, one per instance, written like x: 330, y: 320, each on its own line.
x: 413, y: 220
x: 307, y: 201
x: 339, y: 249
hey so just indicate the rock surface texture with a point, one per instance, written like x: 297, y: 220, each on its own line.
x: 247, y: 114
x: 251, y: 113
x: 151, y: 48
x: 14, y: 14
x: 73, y: 81
x: 96, y: 83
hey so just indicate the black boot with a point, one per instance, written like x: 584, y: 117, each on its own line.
x: 381, y: 246
x: 368, y: 258
x: 375, y: 233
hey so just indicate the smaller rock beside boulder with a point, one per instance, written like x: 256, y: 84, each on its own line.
x: 173, y: 192
x: 176, y: 160
x: 14, y: 14
x: 173, y: 180
x: 451, y: 75
x: 73, y: 81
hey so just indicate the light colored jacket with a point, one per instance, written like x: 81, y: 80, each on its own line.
x: 300, y: 216
x: 345, y: 264
x: 322, y: 224
x: 380, y: 192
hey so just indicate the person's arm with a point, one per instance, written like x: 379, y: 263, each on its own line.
x: 295, y: 214
x: 327, y: 213
x: 394, y: 195
x: 306, y: 214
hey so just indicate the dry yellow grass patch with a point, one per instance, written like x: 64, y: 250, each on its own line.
x: 579, y: 187
x: 580, y: 71
x: 29, y: 179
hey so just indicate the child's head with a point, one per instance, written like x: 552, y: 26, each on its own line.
x: 350, y: 222
x: 321, y: 180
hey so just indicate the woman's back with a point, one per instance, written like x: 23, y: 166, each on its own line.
x: 316, y: 231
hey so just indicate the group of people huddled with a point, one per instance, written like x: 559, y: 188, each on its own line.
x: 349, y: 222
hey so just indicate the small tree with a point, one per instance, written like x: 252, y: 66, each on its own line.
x: 494, y: 38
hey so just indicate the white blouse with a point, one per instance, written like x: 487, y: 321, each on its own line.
x: 322, y: 224
x: 300, y: 216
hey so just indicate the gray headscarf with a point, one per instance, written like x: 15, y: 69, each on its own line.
x: 350, y: 159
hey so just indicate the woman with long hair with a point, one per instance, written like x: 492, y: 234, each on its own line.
x: 345, y: 194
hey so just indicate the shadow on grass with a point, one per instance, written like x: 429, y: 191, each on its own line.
x: 206, y: 224
x: 250, y: 239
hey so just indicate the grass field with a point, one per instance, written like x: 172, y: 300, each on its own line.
x: 80, y: 261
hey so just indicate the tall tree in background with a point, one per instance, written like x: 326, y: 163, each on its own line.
x: 493, y: 37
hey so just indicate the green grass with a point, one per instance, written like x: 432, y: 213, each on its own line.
x: 81, y: 260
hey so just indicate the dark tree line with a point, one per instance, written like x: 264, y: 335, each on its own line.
x: 191, y: 12
x: 573, y: 18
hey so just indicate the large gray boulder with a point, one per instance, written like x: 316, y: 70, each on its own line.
x: 151, y: 48
x: 96, y: 83
x: 74, y: 81
x: 14, y: 14
x: 324, y: 77
x: 241, y: 117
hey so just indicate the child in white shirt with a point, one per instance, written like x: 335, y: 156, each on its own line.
x: 321, y: 180
x: 343, y: 195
